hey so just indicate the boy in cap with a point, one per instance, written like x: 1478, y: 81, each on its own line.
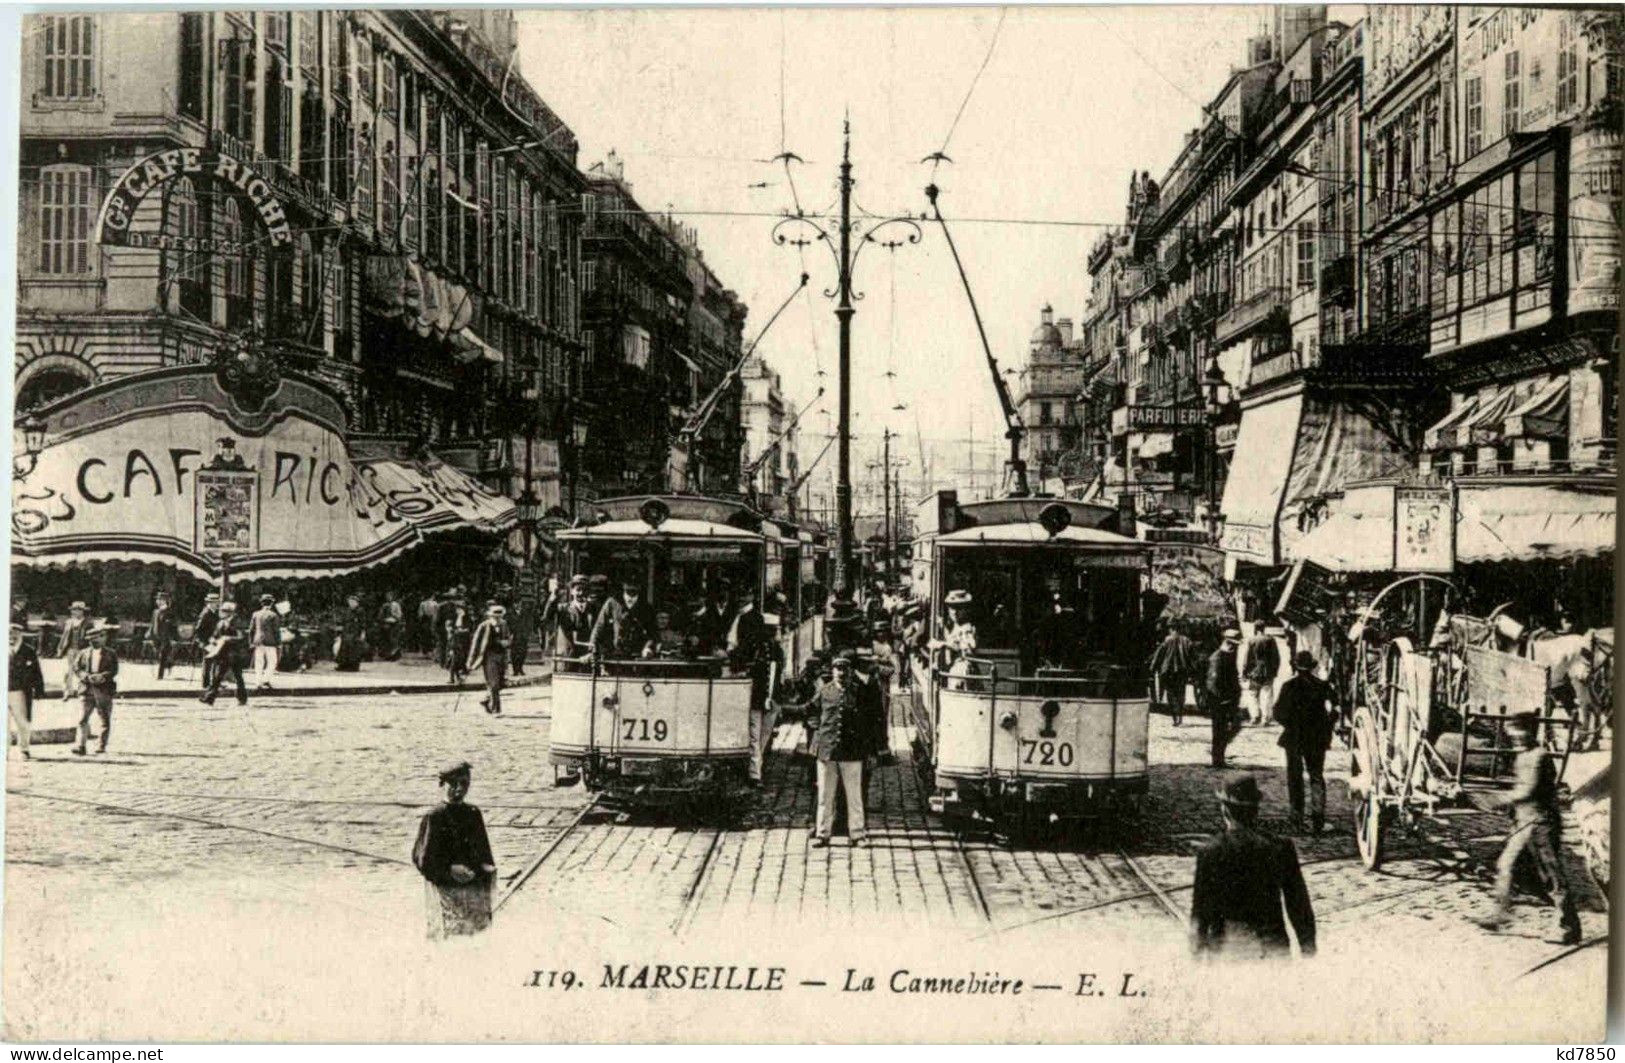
x: 1222, y: 688
x: 490, y: 653
x: 68, y: 646
x: 26, y: 685
x: 1537, y: 827
x: 1244, y: 879
x: 1305, y: 710
x: 97, y: 668
x: 453, y: 853
x: 161, y: 630
x: 208, y: 618
x: 265, y: 635
x: 572, y: 630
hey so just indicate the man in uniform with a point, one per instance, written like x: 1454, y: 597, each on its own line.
x: 1244, y: 878
x: 1537, y: 827
x: 1305, y: 710
x: 162, y: 631
x: 208, y: 618
x: 840, y: 745
x: 489, y: 652
x: 96, y: 666
x: 1222, y: 690
x: 265, y: 635
x: 229, y: 635
x: 70, y: 643
x: 573, y: 628
x: 625, y: 627
x: 1263, y: 664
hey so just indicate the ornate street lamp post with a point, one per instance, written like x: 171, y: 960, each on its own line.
x: 840, y: 244
x: 1215, y: 396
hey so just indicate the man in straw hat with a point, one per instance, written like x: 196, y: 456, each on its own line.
x: 97, y: 668
x: 488, y: 652
x: 265, y: 634
x: 26, y: 685
x: 1222, y: 692
x: 1306, y: 712
x: 1537, y: 828
x: 73, y: 640
x: 1244, y: 880
x: 453, y: 853
x: 208, y: 618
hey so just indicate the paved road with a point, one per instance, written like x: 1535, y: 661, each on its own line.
x: 300, y: 812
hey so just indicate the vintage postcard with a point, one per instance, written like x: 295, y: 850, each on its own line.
x: 1084, y: 524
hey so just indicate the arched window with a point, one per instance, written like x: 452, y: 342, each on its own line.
x: 186, y: 266
x: 238, y: 302
x: 51, y: 384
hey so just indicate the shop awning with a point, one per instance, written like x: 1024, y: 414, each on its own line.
x: 1518, y: 522
x: 1258, y: 477
x: 471, y: 348
x: 167, y: 467
x: 1337, y: 445
x: 1156, y: 444
x: 1357, y: 535
x: 1441, y: 433
x: 1485, y: 426
x: 1544, y: 415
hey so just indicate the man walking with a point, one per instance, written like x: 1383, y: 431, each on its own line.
x: 162, y: 631
x: 1537, y: 827
x: 841, y: 743
x: 489, y: 652
x: 1263, y: 664
x: 1244, y: 878
x: 208, y: 618
x: 265, y: 635
x: 70, y: 643
x: 1223, y: 693
x: 1305, y: 712
x: 97, y: 668
x: 26, y: 685
x: 1173, y: 664
x: 226, y: 653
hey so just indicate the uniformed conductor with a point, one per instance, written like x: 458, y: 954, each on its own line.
x: 1244, y: 878
x: 841, y: 744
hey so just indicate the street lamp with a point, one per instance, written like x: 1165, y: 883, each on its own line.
x: 1215, y: 397
x: 32, y: 427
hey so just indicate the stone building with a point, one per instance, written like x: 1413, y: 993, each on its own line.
x: 1046, y: 397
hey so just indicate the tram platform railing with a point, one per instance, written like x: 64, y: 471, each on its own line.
x: 649, y: 667
x: 1091, y: 681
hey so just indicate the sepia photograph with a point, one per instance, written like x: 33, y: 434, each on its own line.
x: 1086, y: 524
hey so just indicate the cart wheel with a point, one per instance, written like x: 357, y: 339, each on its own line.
x: 1368, y: 831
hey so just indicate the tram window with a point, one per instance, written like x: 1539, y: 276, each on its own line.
x: 992, y: 582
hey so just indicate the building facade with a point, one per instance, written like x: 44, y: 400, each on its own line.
x: 1047, y: 398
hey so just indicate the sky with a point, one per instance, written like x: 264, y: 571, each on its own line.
x: 1070, y: 102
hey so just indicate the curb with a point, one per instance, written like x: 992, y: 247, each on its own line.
x: 376, y: 690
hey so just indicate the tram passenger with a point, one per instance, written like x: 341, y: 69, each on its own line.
x: 626, y: 625
x: 958, y: 640
x: 573, y: 626
x: 1222, y: 693
x: 1537, y: 827
x: 669, y: 642
x: 713, y: 620
x: 1057, y: 636
x: 1244, y: 878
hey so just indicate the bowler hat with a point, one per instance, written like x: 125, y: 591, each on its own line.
x: 99, y: 628
x: 266, y: 599
x: 1304, y: 661
x: 454, y: 769
x: 958, y: 597
x: 847, y: 658
x: 1240, y: 792
x: 228, y: 607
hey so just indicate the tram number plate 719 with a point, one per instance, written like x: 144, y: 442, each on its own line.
x: 643, y: 729
x: 1046, y: 753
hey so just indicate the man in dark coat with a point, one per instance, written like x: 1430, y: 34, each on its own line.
x: 709, y: 627
x: 162, y: 631
x: 1222, y: 692
x: 626, y: 626
x: 572, y: 630
x: 96, y: 666
x: 1173, y: 665
x: 230, y: 646
x: 453, y: 853
x: 489, y: 655
x: 752, y: 647
x: 26, y: 685
x: 1305, y: 710
x: 1244, y: 878
x: 841, y: 743
x: 1263, y: 664
x: 208, y: 618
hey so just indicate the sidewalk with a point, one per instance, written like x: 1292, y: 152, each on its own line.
x: 412, y: 674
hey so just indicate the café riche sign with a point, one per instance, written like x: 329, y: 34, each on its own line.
x: 161, y: 167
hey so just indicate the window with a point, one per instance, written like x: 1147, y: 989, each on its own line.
x: 411, y: 205
x: 589, y: 211
x: 1568, y: 65
x: 186, y: 267
x: 339, y: 31
x: 276, y: 30
x: 312, y: 286
x: 238, y: 276
x: 366, y: 173
x: 1306, y: 254
x: 1512, y: 98
x: 390, y: 102
x: 69, y: 49
x: 310, y: 44
x: 390, y: 192
x: 410, y: 103
x: 278, y: 108
x: 238, y: 60
x: 64, y: 220
x: 1044, y: 413
x: 192, y: 66
x: 312, y: 146
x: 1473, y: 123
x: 589, y: 276
x: 363, y: 66
x: 339, y: 282
x: 338, y: 140
x: 453, y: 221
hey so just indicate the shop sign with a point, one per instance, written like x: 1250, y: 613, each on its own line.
x: 226, y: 511
x: 1225, y: 436
x: 1249, y: 541
x: 161, y: 167
x: 1162, y: 418
x: 1424, y: 529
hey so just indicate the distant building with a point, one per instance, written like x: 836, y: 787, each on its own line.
x: 1046, y: 396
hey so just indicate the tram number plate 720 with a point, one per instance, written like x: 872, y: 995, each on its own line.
x: 1046, y: 753
x: 643, y: 729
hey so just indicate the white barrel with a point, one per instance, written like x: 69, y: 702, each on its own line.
x: 658, y: 716
x: 1090, y: 738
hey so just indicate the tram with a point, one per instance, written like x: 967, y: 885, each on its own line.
x: 1046, y: 719
x: 672, y: 729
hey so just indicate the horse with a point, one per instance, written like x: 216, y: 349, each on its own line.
x: 1569, y: 659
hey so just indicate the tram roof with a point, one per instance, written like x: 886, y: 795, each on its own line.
x: 674, y: 528
x: 1028, y: 533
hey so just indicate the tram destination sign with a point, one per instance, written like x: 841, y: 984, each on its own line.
x: 1161, y: 418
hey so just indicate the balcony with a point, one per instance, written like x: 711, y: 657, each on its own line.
x: 1247, y: 316
x: 1337, y: 281
x: 1176, y: 321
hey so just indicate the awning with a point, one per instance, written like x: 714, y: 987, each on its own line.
x: 1439, y: 434
x: 1156, y: 444
x: 1258, y: 477
x: 1485, y: 426
x: 1357, y: 535
x: 1517, y: 522
x: 470, y: 348
x: 1544, y: 415
x: 1337, y: 445
x: 167, y: 467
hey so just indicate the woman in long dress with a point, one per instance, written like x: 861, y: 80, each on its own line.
x: 454, y: 855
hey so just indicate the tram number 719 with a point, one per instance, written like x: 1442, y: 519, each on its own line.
x: 640, y: 729
x: 1046, y: 753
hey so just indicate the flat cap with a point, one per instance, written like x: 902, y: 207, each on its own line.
x: 454, y: 769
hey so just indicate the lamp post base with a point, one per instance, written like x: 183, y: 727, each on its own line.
x: 842, y: 625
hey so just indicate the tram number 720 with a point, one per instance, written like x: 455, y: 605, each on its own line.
x: 1046, y: 753
x: 642, y: 729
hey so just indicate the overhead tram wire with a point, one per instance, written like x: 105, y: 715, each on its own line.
x: 941, y: 153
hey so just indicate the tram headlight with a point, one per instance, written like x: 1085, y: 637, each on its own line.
x: 1007, y: 720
